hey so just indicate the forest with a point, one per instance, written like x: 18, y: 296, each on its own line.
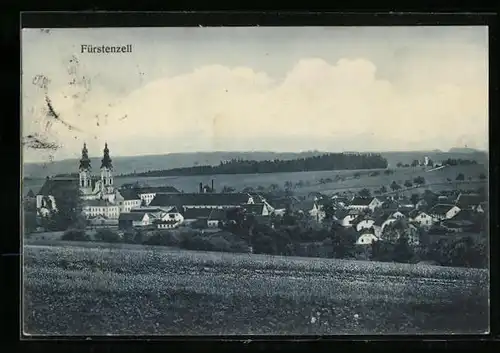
x: 328, y: 161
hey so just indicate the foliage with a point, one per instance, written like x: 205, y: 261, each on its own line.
x: 395, y: 186
x: 75, y: 235
x: 133, y: 236
x: 227, y: 189
x: 107, y: 235
x: 482, y: 176
x: 460, y: 176
x: 408, y: 184
x: 459, y: 161
x: 420, y: 180
x: 364, y: 193
x: 30, y: 221
x: 328, y: 161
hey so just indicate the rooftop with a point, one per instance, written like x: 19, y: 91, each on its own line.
x: 200, y: 199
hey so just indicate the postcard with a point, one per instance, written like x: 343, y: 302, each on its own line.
x: 255, y: 181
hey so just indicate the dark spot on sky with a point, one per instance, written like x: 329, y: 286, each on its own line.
x: 52, y: 113
x: 37, y: 142
x: 226, y: 90
x: 97, y: 123
x: 123, y: 117
x: 41, y: 81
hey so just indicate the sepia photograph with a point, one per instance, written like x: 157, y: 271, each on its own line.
x: 254, y: 181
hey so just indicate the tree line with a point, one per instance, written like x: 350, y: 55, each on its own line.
x: 328, y: 161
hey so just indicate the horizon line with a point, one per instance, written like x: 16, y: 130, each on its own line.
x: 258, y: 151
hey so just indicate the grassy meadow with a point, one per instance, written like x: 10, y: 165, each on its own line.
x: 436, y: 179
x: 95, y: 289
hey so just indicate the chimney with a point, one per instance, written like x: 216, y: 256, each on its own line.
x: 201, y: 188
x: 212, y: 185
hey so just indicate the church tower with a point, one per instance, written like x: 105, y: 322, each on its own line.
x: 106, y: 172
x: 85, y: 170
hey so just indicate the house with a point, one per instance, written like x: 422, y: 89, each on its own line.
x: 148, y: 193
x: 405, y: 203
x: 421, y: 218
x: 468, y: 201
x: 390, y: 205
x: 216, y: 217
x: 165, y: 224
x: 463, y: 221
x: 443, y: 211
x: 339, y: 201
x: 133, y: 219
x: 397, y: 215
x: 209, y: 217
x: 171, y: 217
x: 482, y: 207
x: 202, y: 200
x: 192, y: 215
x: 157, y: 212
x: 127, y: 199
x: 257, y: 209
x: 366, y: 223
x: 363, y: 203
x: 421, y: 204
x: 313, y: 208
x: 458, y: 226
x: 102, y: 221
x: 351, y: 215
x: 105, y: 208
x: 366, y: 239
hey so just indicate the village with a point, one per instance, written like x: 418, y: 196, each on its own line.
x: 424, y: 218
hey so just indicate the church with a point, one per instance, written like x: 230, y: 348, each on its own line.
x: 96, y: 187
x: 97, y: 192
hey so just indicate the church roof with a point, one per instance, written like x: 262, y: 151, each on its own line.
x: 156, y: 189
x: 256, y: 208
x: 57, y: 186
x: 200, y: 199
x: 106, y: 159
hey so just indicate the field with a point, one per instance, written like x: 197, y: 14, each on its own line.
x: 191, y: 183
x: 72, y: 289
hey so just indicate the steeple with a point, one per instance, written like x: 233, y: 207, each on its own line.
x: 85, y: 161
x: 106, y: 160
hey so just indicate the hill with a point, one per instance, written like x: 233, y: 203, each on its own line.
x: 138, y: 164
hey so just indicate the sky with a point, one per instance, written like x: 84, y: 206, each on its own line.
x: 255, y: 88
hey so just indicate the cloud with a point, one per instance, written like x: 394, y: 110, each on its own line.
x: 342, y: 105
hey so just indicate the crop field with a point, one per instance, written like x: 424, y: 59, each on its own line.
x: 139, y: 290
x: 240, y: 181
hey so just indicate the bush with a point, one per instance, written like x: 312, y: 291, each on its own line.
x: 108, y: 236
x: 408, y: 184
x: 165, y: 238
x: 75, y: 235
